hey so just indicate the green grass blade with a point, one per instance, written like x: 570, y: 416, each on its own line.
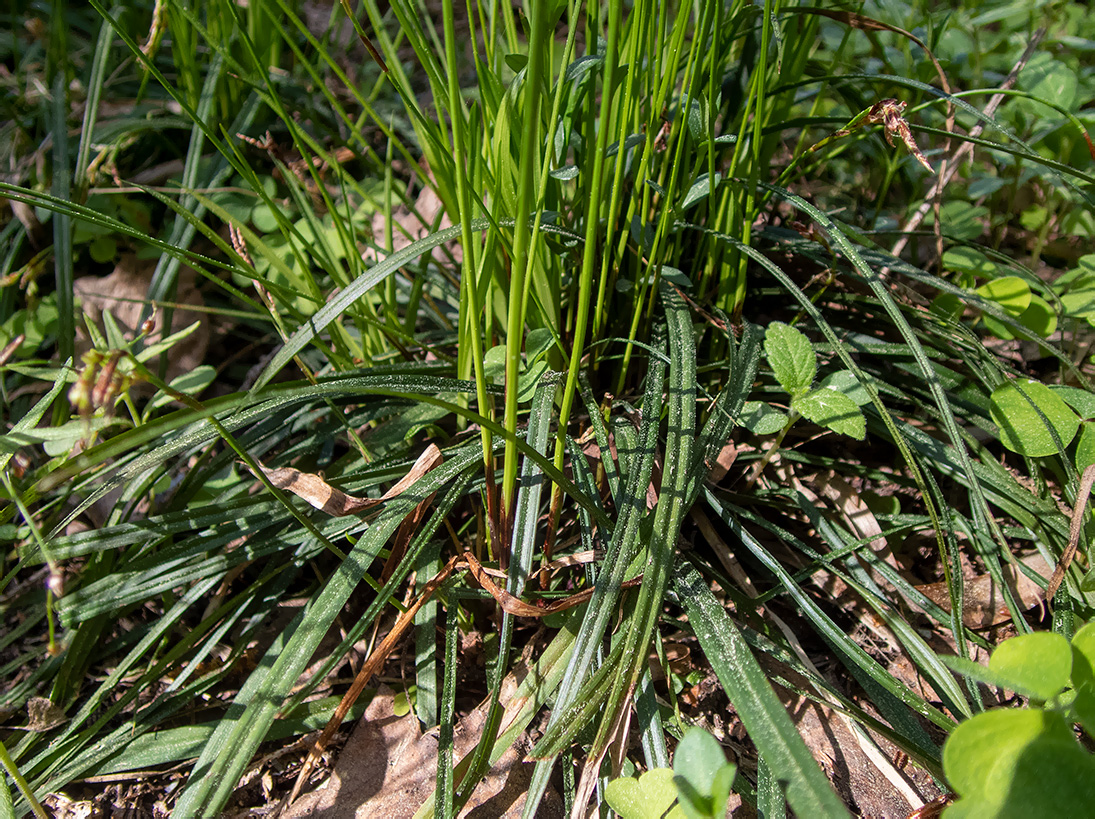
x: 852, y: 655
x: 745, y: 683
x: 527, y: 511
x: 229, y: 750
x: 673, y: 502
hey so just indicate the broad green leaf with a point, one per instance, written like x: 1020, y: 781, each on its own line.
x: 845, y: 382
x: 1010, y: 292
x: 647, y: 797
x: 1077, y: 289
x: 948, y: 306
x: 516, y: 62
x: 1026, y: 411
x: 1085, y: 447
x: 494, y: 361
x: 696, y: 116
x: 1041, y: 661
x: 968, y: 260
x: 1034, y: 217
x: 1083, y: 676
x: 537, y: 344
x: 701, y: 189
x: 762, y: 419
x: 1080, y: 400
x: 828, y: 408
x: 676, y: 276
x: 1050, y: 80
x: 1039, y: 317
x: 528, y: 379
x: 962, y: 220
x: 791, y: 357
x: 1079, y: 304
x: 1017, y: 763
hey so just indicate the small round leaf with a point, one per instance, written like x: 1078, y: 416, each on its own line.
x: 1041, y: 662
x: 1080, y: 400
x: 647, y: 797
x: 1010, y: 292
x: 761, y: 419
x: 981, y: 751
x: 1085, y: 447
x: 968, y: 260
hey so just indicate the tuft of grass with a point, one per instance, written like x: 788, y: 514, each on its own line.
x: 548, y: 240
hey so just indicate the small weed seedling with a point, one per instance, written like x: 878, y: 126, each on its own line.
x: 834, y: 403
x: 699, y: 782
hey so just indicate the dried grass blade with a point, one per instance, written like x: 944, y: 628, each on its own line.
x: 337, y: 503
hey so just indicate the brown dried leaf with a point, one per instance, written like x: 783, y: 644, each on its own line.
x: 125, y: 293
x: 337, y: 503
x: 725, y: 459
x: 1086, y: 482
x: 43, y: 714
x: 855, y: 512
x: 507, y: 601
x: 983, y: 600
x: 388, y: 769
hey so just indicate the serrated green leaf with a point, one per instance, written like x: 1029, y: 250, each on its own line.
x: 828, y: 408
x: 791, y: 357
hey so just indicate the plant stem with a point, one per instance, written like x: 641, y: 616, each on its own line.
x: 21, y: 783
x: 469, y: 305
x: 530, y: 142
x: 589, y: 251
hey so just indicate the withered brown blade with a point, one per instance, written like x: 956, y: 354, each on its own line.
x: 337, y: 503
x: 365, y: 40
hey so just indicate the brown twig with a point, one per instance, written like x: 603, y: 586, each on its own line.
x: 1086, y: 482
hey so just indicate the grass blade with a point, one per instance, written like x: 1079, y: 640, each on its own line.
x: 745, y: 683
